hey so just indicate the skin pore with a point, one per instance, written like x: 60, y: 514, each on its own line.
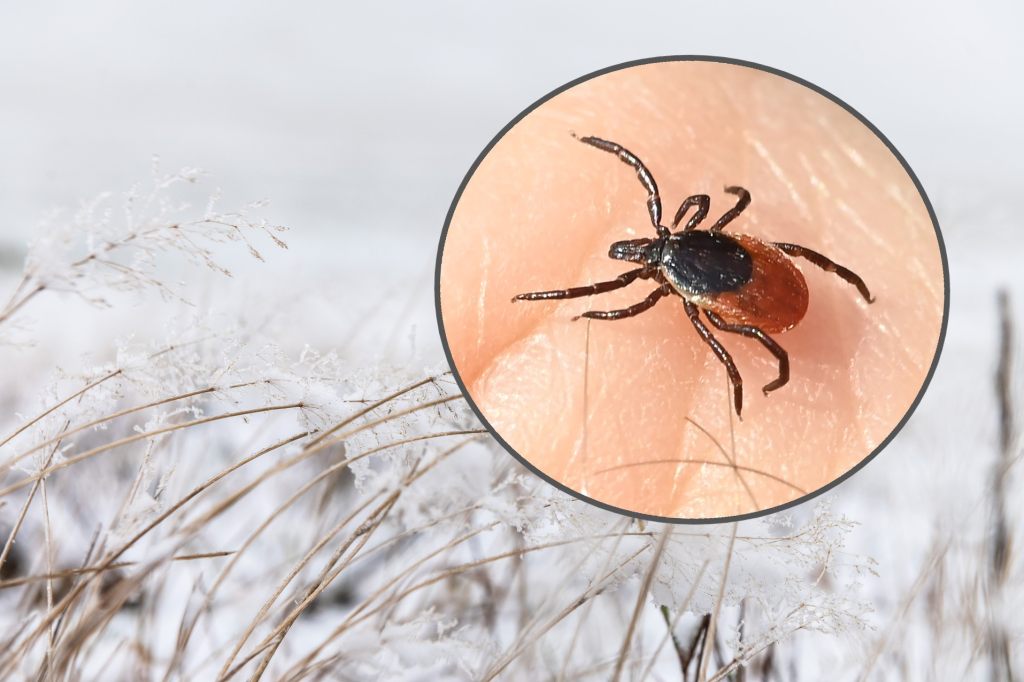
x: 637, y: 413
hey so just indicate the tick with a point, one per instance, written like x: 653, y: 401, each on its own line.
x: 742, y: 284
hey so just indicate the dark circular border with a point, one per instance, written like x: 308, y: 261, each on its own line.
x: 721, y: 60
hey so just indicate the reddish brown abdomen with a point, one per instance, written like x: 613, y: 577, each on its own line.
x: 775, y: 297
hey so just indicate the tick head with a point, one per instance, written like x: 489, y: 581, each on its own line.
x: 635, y: 251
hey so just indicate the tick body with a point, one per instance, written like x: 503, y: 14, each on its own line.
x: 742, y: 284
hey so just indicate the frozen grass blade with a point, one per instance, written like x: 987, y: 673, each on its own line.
x: 709, y: 638
x: 641, y: 600
x: 999, y: 640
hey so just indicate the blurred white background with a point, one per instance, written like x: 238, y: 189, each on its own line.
x: 359, y: 121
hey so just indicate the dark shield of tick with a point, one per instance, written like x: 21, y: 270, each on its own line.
x: 742, y: 284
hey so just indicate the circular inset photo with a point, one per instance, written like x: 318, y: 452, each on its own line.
x: 692, y: 289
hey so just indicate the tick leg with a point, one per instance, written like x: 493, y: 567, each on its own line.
x: 768, y: 342
x: 729, y: 215
x: 588, y: 290
x: 723, y: 355
x: 702, y: 202
x: 646, y: 179
x: 829, y: 266
x: 632, y: 310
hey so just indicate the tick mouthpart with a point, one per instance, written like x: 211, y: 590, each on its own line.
x: 632, y: 250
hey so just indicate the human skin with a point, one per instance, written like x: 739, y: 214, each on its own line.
x: 628, y: 412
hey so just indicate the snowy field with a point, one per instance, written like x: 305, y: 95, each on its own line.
x: 227, y: 459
